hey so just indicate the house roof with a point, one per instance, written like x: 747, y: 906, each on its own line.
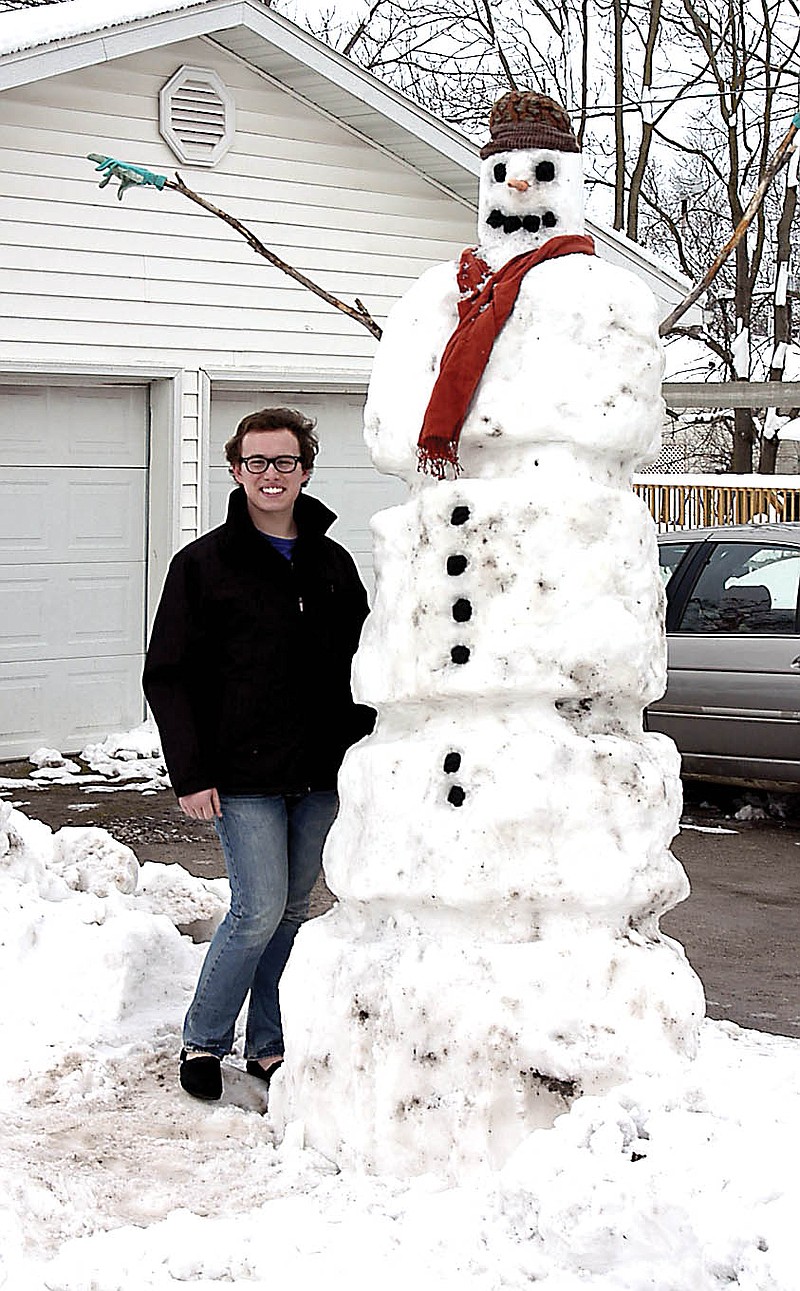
x: 51, y: 39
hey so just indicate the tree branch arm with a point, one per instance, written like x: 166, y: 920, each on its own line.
x: 360, y: 313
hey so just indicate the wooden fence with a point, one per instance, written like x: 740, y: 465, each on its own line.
x: 695, y: 501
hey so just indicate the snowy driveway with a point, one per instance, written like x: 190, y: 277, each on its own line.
x: 112, y: 1179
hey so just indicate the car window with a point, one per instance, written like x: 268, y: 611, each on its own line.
x: 670, y: 555
x: 745, y: 588
x: 779, y: 569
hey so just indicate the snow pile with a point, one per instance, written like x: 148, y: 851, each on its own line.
x: 52, y: 765
x: 111, y: 1178
x: 130, y: 756
x: 123, y: 760
x: 90, y: 954
x: 90, y: 860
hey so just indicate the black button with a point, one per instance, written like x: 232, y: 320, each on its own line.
x: 460, y: 515
x: 456, y: 565
x: 456, y: 795
x: 462, y: 610
x: 452, y: 762
x: 460, y: 654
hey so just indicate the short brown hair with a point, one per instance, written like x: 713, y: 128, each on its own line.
x: 276, y: 419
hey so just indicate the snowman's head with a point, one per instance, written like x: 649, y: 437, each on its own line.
x: 531, y: 185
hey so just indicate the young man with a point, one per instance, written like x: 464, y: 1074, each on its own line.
x: 248, y: 678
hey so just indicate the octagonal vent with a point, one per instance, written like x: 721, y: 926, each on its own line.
x: 196, y: 116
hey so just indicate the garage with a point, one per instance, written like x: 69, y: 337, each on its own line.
x: 344, y: 477
x: 73, y: 515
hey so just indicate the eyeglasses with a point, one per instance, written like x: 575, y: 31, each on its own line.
x: 257, y: 465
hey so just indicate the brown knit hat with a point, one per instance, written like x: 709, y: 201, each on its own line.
x: 525, y: 119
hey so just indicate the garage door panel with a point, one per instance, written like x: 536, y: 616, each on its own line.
x: 81, y: 701
x: 59, y: 517
x: 24, y: 613
x: 23, y: 704
x: 94, y: 426
x: 356, y: 495
x: 53, y: 612
x: 339, y: 419
x: 220, y: 486
x: 103, y: 613
x: 24, y: 522
x: 102, y: 697
x: 105, y: 515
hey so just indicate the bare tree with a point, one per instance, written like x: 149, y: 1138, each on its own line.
x: 610, y: 62
x: 782, y: 318
x: 457, y: 56
x: 750, y: 53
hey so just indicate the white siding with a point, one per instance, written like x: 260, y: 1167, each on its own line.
x: 153, y: 277
x: 191, y: 459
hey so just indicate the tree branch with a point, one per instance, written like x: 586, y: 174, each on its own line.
x: 501, y: 53
x: 360, y: 313
x: 779, y: 158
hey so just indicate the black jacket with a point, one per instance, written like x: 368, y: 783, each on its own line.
x: 248, y: 669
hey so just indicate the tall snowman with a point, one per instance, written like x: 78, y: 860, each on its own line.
x: 501, y: 857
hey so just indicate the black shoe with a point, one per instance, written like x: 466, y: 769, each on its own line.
x: 201, y: 1077
x: 255, y: 1069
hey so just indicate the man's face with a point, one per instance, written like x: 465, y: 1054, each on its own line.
x: 527, y: 196
x: 271, y: 494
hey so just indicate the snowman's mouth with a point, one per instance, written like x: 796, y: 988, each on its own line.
x: 512, y: 223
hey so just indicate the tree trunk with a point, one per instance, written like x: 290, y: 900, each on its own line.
x: 619, y: 124
x: 781, y: 313
x: 743, y: 437
x: 648, y: 124
x: 768, y: 455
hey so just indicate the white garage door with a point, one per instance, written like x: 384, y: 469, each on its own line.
x: 344, y: 477
x: 73, y: 490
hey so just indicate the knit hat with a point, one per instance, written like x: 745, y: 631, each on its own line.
x: 525, y: 119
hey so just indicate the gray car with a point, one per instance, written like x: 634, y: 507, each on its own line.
x: 732, y: 703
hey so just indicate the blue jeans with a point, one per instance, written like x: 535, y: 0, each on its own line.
x: 273, y: 854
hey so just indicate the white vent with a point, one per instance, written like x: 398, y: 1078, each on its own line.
x: 196, y: 116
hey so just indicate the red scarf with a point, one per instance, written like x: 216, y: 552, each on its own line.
x: 486, y: 301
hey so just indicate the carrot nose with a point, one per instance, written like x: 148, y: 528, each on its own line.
x: 521, y: 185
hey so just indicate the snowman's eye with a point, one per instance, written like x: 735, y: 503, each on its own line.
x: 545, y: 171
x: 500, y: 171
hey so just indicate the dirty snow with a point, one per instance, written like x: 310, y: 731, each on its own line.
x: 112, y: 1178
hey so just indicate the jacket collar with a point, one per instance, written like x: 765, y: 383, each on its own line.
x: 312, y: 517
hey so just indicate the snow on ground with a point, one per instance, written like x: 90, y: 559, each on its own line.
x: 125, y: 760
x: 111, y: 1177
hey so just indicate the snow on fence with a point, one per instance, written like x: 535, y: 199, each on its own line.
x: 694, y: 501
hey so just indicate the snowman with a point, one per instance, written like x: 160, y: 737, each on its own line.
x: 501, y: 857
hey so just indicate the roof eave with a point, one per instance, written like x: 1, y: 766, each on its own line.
x: 262, y: 36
